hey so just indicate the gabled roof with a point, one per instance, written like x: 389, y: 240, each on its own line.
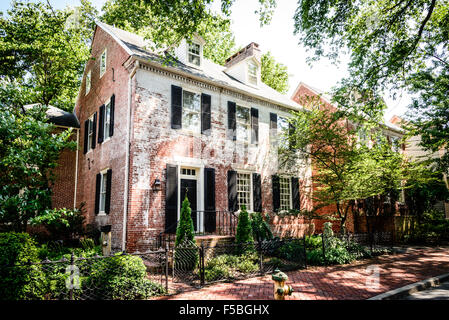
x: 136, y: 46
x: 328, y: 99
x: 58, y: 117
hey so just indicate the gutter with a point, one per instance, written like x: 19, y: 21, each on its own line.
x: 215, y: 83
x: 76, y: 167
x: 128, y: 133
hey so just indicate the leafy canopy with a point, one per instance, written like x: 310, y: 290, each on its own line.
x: 44, y: 50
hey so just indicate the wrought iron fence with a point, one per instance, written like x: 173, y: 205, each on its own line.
x: 200, y: 265
x: 116, y: 277
x: 360, y: 245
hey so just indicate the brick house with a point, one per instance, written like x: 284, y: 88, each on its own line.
x: 391, y: 131
x: 155, y: 130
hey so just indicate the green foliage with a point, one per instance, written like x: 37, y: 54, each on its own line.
x: 122, y: 277
x: 29, y: 151
x: 44, y: 50
x: 314, y: 242
x: 228, y: 266
x: 432, y: 229
x: 392, y: 46
x: 244, y: 234
x: 292, y: 250
x: 260, y: 227
x: 62, y: 223
x: 186, y: 253
x: 21, y: 282
x: 274, y: 74
x: 185, y: 229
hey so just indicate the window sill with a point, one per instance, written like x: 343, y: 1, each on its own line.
x: 190, y: 133
x: 102, y: 214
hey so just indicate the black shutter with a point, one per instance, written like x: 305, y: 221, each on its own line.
x: 107, y: 204
x: 209, y: 200
x: 94, y: 128
x: 86, y: 134
x: 232, y: 191
x: 111, y: 119
x: 176, y: 107
x: 295, y: 194
x: 276, y: 193
x: 273, y: 125
x: 171, y: 198
x: 257, y: 193
x: 97, y: 193
x: 231, y: 121
x: 254, y: 125
x: 101, y: 125
x: 205, y: 113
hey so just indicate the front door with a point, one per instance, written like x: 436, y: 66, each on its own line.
x: 188, y: 186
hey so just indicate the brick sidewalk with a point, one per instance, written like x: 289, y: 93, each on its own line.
x: 347, y: 282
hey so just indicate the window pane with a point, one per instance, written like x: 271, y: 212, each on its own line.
x: 244, y: 190
x: 282, y: 131
x: 107, y: 120
x: 103, y: 191
x: 194, y: 48
x: 191, y: 111
x: 284, y: 191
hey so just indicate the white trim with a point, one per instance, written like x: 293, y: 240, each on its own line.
x: 88, y: 75
x: 109, y: 32
x: 251, y: 203
x: 243, y: 105
x: 199, y: 177
x: 76, y: 166
x: 105, y: 52
x: 200, y: 54
x: 103, y: 173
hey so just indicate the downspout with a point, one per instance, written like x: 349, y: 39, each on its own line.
x: 128, y: 133
x: 76, y: 167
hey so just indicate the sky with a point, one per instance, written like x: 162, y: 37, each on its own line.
x: 278, y: 38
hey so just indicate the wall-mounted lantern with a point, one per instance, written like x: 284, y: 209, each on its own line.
x: 157, y: 185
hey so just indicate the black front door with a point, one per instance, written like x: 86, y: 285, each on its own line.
x: 189, y: 187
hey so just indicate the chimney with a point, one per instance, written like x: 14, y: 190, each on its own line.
x: 250, y: 50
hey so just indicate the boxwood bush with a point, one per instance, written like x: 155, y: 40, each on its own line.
x: 19, y: 281
x: 122, y: 277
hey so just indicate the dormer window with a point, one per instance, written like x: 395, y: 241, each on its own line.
x: 103, y: 63
x: 252, y: 73
x: 194, y: 53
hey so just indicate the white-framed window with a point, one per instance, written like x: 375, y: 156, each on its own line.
x: 188, y: 172
x: 243, y: 123
x: 282, y: 131
x: 107, y: 120
x: 103, y: 63
x: 88, y: 80
x: 252, y: 72
x: 362, y: 137
x: 244, y: 187
x: 103, y: 183
x: 191, y: 111
x: 285, y: 193
x: 194, y: 53
x: 90, y: 132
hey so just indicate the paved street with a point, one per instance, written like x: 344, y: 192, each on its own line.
x: 440, y: 292
x: 347, y: 282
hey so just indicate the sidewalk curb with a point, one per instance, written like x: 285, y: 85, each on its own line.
x: 411, y: 288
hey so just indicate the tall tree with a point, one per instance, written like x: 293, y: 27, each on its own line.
x: 44, y: 50
x: 392, y: 45
x: 273, y: 73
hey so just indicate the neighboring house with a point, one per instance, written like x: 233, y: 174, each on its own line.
x: 393, y: 133
x: 153, y: 131
x: 64, y: 186
x: 416, y: 152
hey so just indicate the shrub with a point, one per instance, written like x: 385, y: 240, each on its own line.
x: 228, y: 266
x: 185, y: 257
x: 314, y: 242
x: 62, y: 223
x: 244, y: 234
x: 292, y: 250
x: 20, y: 282
x: 260, y: 227
x: 122, y: 277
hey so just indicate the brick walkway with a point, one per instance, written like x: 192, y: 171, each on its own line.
x: 347, y: 282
